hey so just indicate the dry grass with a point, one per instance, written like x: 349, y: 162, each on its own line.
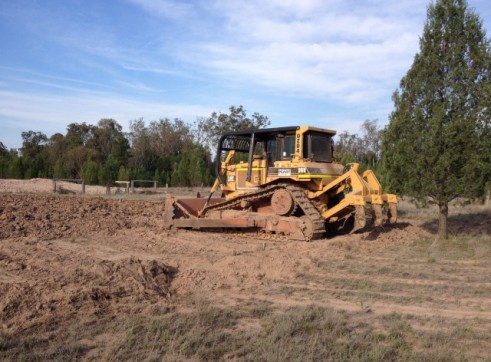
x: 305, y: 333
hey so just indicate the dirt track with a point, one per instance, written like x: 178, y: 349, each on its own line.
x: 70, y: 259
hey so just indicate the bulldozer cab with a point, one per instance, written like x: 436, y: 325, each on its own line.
x: 276, y: 146
x: 248, y: 160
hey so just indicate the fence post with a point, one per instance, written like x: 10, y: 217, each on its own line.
x: 132, y: 186
x: 155, y: 186
x: 83, y: 187
x: 54, y: 185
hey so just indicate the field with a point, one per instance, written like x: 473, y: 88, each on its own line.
x: 96, y: 277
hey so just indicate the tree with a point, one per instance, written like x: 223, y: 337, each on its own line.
x: 141, y: 153
x: 364, y: 149
x: 79, y: 134
x: 109, y: 139
x: 210, y: 129
x: 436, y: 146
x: 194, y: 167
x: 347, y: 147
x: 5, y: 159
x: 78, y: 147
x: 371, y: 139
x: 90, y: 172
x: 56, y: 155
x: 108, y: 172
x: 168, y: 137
x: 34, y: 154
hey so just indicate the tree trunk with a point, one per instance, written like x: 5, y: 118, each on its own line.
x: 442, y: 221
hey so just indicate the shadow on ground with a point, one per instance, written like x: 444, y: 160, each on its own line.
x: 464, y: 224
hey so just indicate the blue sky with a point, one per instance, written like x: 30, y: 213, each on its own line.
x: 329, y: 63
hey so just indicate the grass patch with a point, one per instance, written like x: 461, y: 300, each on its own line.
x: 204, y: 332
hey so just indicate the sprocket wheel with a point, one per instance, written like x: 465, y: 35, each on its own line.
x: 282, y: 202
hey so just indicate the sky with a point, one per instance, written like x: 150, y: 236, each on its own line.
x: 326, y: 63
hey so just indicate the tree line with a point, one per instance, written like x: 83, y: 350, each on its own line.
x: 169, y: 151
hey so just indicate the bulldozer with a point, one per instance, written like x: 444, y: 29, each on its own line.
x: 284, y: 183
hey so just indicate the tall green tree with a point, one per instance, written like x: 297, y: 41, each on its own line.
x: 142, y: 155
x: 35, y: 155
x: 79, y: 134
x: 108, y: 173
x: 56, y: 155
x: 109, y: 139
x: 437, y: 145
x: 79, y: 146
x: 194, y: 167
x: 5, y: 159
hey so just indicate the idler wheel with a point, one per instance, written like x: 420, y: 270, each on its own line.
x: 282, y: 202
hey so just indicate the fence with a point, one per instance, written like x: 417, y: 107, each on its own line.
x: 55, y: 180
x: 128, y: 185
x: 143, y: 181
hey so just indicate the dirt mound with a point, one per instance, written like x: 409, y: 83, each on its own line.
x: 42, y: 281
x: 51, y: 217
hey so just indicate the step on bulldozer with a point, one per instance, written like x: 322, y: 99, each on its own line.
x: 284, y: 183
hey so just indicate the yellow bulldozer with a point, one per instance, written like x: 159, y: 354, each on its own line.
x: 284, y: 183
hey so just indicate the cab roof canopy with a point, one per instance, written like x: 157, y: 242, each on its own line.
x: 240, y: 140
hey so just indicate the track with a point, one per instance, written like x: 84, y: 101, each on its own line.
x: 315, y: 227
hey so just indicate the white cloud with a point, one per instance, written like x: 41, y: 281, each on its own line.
x: 316, y: 49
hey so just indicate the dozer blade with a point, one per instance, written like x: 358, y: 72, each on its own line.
x: 184, y: 209
x: 185, y: 214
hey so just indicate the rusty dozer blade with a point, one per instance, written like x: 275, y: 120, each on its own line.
x: 177, y: 209
x: 184, y: 213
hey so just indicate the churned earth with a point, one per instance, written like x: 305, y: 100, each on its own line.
x: 76, y: 271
